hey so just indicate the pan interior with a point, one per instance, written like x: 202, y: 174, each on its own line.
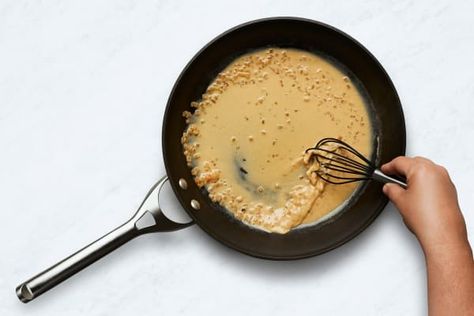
x: 246, y: 139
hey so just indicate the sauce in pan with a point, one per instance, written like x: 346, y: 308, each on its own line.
x: 246, y: 139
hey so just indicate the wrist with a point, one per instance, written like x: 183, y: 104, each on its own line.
x: 456, y: 247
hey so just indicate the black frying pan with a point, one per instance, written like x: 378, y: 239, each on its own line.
x: 362, y: 209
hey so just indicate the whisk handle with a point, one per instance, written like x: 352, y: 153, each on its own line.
x: 382, y: 177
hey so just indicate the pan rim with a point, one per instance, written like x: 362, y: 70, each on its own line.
x: 229, y: 243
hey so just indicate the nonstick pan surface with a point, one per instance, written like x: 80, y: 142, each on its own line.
x: 342, y: 50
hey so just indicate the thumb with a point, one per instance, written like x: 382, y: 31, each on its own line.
x: 394, y: 193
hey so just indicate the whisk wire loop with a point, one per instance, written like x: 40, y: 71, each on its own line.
x: 339, y: 163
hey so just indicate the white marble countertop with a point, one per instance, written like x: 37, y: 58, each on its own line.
x: 83, y: 85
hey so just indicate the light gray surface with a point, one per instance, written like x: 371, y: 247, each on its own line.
x: 83, y: 86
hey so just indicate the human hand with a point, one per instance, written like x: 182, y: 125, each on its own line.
x: 429, y: 205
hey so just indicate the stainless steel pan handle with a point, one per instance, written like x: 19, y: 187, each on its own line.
x: 148, y: 218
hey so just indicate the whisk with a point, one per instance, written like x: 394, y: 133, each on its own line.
x: 341, y: 163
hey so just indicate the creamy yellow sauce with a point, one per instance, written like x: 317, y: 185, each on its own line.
x: 246, y: 138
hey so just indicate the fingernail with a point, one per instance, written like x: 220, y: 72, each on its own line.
x: 386, y: 187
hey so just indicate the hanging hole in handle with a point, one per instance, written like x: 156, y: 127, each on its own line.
x: 146, y: 220
x: 171, y: 207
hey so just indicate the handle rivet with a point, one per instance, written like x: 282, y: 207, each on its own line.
x: 195, y: 205
x: 183, y: 184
